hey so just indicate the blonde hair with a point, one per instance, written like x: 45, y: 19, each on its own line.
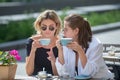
x: 48, y: 14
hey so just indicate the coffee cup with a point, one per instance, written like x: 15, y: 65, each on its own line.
x: 65, y: 41
x: 44, y: 41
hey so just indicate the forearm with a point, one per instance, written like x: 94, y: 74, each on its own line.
x: 30, y: 63
x: 54, y: 68
x: 61, y: 56
x: 83, y: 58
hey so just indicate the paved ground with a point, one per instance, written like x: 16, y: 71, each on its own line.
x: 109, y: 36
x: 105, y: 37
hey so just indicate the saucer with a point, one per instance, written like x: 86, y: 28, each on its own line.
x: 82, y: 77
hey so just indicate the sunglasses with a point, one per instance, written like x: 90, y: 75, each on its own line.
x: 44, y: 28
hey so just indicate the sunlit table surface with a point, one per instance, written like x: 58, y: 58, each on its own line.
x: 21, y: 77
x: 115, y: 58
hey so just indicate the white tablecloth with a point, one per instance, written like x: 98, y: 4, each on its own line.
x: 21, y: 77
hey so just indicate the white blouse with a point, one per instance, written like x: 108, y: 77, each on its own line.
x: 95, y: 66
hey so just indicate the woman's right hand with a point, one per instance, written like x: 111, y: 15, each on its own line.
x: 60, y: 52
x: 58, y: 44
x: 36, y: 44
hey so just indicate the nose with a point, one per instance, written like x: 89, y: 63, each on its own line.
x: 47, y: 29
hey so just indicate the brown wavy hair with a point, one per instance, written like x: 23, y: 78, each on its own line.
x: 85, y: 33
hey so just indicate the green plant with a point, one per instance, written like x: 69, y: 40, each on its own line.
x: 103, y: 18
x: 16, y: 30
x: 64, y: 12
x: 9, y: 57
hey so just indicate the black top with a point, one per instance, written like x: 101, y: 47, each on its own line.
x: 41, y: 58
x: 76, y: 69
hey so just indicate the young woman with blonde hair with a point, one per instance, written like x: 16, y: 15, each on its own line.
x: 47, y: 25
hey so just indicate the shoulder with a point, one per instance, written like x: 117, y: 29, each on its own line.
x: 95, y: 48
x: 95, y: 42
x: 29, y: 40
x: 95, y: 45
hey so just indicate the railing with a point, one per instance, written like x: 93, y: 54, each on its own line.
x: 107, y: 47
x: 114, y: 65
x: 13, y: 45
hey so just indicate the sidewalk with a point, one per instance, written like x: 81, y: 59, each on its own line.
x: 109, y: 36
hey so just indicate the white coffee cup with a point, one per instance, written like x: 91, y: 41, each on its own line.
x: 44, y: 41
x: 65, y: 41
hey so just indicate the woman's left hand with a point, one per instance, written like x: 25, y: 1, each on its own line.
x: 51, y: 56
x: 80, y: 51
x: 75, y: 46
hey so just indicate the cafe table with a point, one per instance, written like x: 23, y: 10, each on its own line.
x: 115, y: 59
x: 22, y: 77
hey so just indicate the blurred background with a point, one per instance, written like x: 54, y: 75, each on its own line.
x: 17, y: 17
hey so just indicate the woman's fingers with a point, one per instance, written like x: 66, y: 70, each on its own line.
x: 58, y: 44
x: 51, y: 56
x: 73, y: 45
x: 36, y: 44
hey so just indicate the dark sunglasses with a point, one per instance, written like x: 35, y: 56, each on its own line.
x: 51, y: 28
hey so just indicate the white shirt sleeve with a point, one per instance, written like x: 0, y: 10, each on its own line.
x: 69, y: 66
x: 95, y: 65
x: 94, y: 55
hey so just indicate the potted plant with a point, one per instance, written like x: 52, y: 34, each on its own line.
x: 8, y: 64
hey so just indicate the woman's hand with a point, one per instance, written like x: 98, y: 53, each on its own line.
x: 60, y: 52
x: 36, y: 44
x: 75, y: 46
x: 51, y: 56
x: 80, y: 51
x: 58, y: 44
